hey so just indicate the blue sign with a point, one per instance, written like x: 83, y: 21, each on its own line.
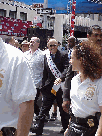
x: 63, y: 6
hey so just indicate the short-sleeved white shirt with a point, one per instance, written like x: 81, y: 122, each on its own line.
x: 16, y: 85
x: 86, y: 97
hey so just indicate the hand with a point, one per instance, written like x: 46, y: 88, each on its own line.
x: 66, y: 132
x: 66, y: 105
x: 57, y: 81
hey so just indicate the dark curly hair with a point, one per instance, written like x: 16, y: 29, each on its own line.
x: 91, y: 61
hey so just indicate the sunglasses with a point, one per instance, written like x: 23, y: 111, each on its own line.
x: 53, y: 45
x: 32, y: 41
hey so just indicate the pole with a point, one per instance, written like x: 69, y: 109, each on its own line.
x: 45, y: 15
x: 73, y: 17
x: 70, y: 14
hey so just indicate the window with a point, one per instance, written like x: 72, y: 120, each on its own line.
x: 100, y: 17
x: 78, y: 15
x: 12, y: 14
x: 38, y: 11
x: 92, y: 16
x: 23, y: 16
x: 86, y: 15
x: 2, y: 12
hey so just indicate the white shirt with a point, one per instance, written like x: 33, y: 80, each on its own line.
x: 86, y: 97
x: 36, y: 65
x: 16, y: 85
x: 69, y: 53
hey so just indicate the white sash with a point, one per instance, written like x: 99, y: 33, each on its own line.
x: 54, y: 70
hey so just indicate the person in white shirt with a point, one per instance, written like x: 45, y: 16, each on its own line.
x: 17, y: 92
x: 35, y: 59
x: 86, y: 93
x: 25, y: 46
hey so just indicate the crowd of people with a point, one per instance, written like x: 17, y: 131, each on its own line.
x: 71, y: 81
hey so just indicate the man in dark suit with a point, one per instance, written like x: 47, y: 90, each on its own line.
x: 69, y: 76
x: 60, y: 60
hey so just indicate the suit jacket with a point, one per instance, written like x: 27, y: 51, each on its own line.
x: 67, y: 86
x: 61, y: 62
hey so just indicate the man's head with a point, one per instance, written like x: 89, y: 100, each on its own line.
x: 34, y: 43
x: 95, y: 35
x: 52, y: 45
x: 71, y: 42
x: 25, y: 46
x: 10, y: 40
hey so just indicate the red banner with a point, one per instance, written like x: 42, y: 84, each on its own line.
x: 14, y: 27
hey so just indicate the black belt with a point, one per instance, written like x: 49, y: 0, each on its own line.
x: 88, y: 122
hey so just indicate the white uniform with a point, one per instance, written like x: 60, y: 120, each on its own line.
x: 16, y: 85
x: 36, y: 65
x: 86, y: 97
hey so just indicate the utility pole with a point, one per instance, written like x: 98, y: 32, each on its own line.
x: 45, y: 15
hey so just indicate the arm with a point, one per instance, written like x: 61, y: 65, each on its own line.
x: 65, y: 64
x: 66, y: 90
x: 45, y: 72
x: 99, y: 130
x: 66, y: 95
x: 67, y: 85
x: 25, y: 118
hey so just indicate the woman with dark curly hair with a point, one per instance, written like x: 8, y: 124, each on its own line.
x: 86, y: 93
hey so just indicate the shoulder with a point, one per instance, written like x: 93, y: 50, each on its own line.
x: 45, y: 51
x: 14, y: 55
x: 62, y: 52
x: 26, y: 53
x: 40, y: 52
x: 98, y: 82
x: 13, y: 51
x: 76, y: 78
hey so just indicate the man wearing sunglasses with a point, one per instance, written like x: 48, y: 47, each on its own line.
x: 54, y: 60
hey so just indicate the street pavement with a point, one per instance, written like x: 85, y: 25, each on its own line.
x: 52, y: 128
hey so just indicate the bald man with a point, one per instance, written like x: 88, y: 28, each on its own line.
x: 69, y: 76
x: 55, y: 67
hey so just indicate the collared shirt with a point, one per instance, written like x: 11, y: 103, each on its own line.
x: 86, y: 97
x: 36, y: 65
x: 53, y: 56
x: 16, y: 85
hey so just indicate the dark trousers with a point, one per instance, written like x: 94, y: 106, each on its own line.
x: 48, y: 99
x: 78, y: 130
x: 8, y: 131
x: 81, y: 127
x: 36, y: 107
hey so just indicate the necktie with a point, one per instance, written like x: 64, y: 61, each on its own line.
x: 53, y: 56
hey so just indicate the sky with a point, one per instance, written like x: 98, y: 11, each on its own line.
x: 82, y: 6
